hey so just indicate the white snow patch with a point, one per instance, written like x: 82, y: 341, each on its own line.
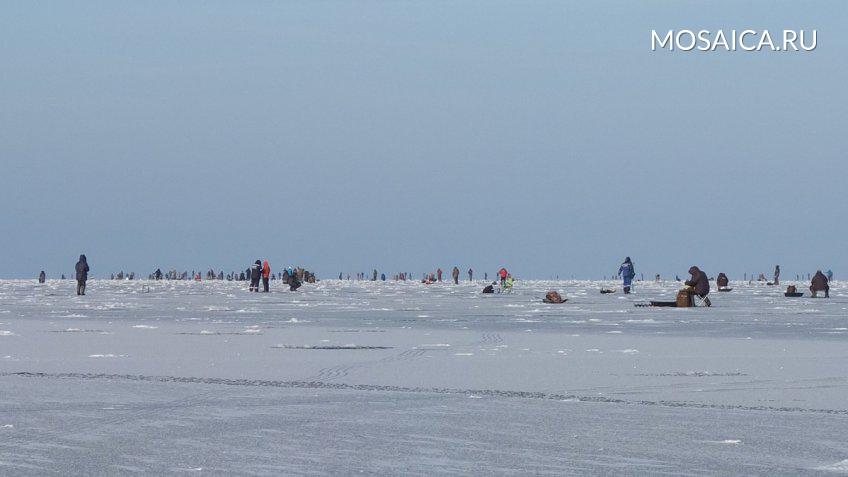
x: 110, y: 355
x: 145, y: 327
x: 840, y: 467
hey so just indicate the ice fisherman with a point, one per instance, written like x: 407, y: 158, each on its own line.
x: 255, y: 274
x: 266, y: 275
x: 82, y: 270
x: 502, y: 274
x: 700, y: 284
x: 820, y: 283
x: 627, y: 272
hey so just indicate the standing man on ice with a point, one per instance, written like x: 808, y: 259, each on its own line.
x: 266, y: 275
x: 255, y: 273
x: 82, y: 274
x: 627, y: 271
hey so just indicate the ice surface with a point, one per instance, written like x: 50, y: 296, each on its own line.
x: 403, y: 378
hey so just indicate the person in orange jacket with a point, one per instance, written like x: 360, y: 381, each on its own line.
x: 266, y: 275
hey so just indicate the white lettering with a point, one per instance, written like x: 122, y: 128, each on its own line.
x: 691, y: 40
x: 666, y: 40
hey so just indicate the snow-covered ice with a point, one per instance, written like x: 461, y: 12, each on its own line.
x: 403, y: 378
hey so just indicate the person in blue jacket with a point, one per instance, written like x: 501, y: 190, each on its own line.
x: 628, y: 273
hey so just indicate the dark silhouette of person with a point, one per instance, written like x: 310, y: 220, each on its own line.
x: 42, y: 277
x: 255, y: 274
x: 470, y: 275
x: 82, y: 270
x: 820, y: 283
x: 700, y: 284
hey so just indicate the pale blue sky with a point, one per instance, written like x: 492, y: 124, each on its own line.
x: 545, y: 136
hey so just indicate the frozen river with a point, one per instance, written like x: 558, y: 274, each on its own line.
x: 403, y: 378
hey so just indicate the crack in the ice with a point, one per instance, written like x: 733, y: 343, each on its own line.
x: 403, y: 389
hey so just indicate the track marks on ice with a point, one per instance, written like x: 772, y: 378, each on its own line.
x: 343, y: 370
x: 493, y: 393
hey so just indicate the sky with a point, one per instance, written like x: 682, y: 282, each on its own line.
x: 546, y: 137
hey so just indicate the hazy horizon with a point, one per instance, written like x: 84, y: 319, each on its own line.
x: 345, y: 136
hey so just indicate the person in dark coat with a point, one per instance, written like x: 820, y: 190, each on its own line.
x: 777, y: 274
x: 700, y: 283
x: 82, y: 274
x: 820, y: 283
x: 255, y: 275
x: 42, y: 277
x: 455, y: 275
x: 722, y: 281
x: 470, y: 275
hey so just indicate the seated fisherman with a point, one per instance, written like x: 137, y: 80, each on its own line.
x: 722, y: 281
x: 700, y: 284
x: 820, y: 283
x: 553, y: 297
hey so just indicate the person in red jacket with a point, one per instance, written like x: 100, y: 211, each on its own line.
x: 502, y: 274
x: 266, y: 275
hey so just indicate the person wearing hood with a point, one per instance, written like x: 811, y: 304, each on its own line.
x: 42, y: 277
x: 699, y: 283
x: 266, y: 274
x: 627, y: 272
x: 722, y: 281
x: 82, y: 274
x: 502, y: 273
x: 820, y: 283
x: 255, y: 274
